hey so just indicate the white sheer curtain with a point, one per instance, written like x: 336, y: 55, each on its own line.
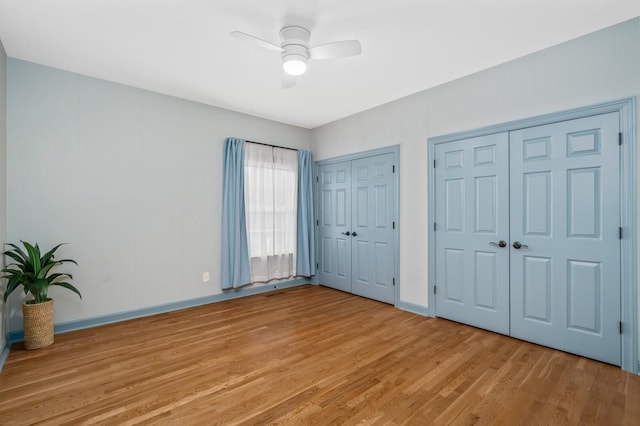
x: 271, y: 191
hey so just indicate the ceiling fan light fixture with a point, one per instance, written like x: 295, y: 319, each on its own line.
x: 294, y: 64
x: 295, y: 50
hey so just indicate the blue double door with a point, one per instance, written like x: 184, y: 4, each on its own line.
x: 356, y: 226
x: 527, y: 235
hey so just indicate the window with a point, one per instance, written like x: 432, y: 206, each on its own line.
x: 271, y: 188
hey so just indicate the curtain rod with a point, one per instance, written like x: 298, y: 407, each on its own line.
x: 273, y: 146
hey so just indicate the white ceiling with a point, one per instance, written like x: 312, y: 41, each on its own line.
x: 183, y: 48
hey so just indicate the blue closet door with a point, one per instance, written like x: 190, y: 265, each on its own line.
x: 334, y: 222
x: 372, y: 231
x: 356, y: 227
x: 552, y: 193
x: 472, y: 231
x: 565, y: 251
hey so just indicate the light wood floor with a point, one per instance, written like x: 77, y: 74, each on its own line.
x: 306, y: 355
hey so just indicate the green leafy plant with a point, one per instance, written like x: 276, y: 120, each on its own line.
x: 34, y: 272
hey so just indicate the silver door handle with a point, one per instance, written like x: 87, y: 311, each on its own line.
x: 517, y: 245
x: 501, y: 243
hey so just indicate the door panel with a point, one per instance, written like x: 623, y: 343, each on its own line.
x: 485, y: 280
x: 472, y: 196
x: 485, y: 206
x: 373, y: 255
x: 536, y: 282
x: 536, y: 213
x: 584, y: 296
x: 334, y: 220
x: 453, y: 283
x: 565, y: 280
x: 454, y: 203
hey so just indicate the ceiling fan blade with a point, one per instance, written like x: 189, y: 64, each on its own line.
x: 289, y: 81
x: 253, y: 39
x: 337, y: 49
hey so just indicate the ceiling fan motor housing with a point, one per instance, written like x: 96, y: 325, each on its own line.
x: 294, y: 41
x: 294, y: 35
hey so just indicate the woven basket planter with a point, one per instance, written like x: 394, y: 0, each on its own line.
x: 38, y: 324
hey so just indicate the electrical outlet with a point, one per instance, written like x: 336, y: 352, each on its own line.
x: 205, y: 277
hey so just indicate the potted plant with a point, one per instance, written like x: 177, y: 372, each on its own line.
x: 33, y: 271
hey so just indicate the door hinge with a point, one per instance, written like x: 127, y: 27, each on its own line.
x: 393, y: 280
x: 394, y: 225
x: 434, y: 163
x: 317, y: 222
x: 317, y: 179
x: 317, y: 266
x: 393, y: 168
x: 434, y: 226
x: 620, y: 138
x: 435, y: 291
x: 620, y: 324
x: 620, y: 233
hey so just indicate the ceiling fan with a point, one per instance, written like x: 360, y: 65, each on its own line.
x: 296, y: 52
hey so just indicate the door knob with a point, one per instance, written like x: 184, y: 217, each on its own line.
x: 501, y: 243
x: 346, y: 233
x: 354, y: 234
x: 517, y: 245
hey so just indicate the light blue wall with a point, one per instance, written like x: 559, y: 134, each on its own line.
x: 3, y: 180
x: 129, y: 178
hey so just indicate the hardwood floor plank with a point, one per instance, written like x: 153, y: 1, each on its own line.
x: 306, y: 355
